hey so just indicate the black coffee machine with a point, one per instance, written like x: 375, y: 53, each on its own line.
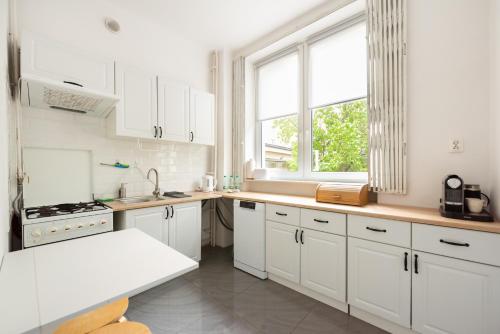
x: 453, y: 200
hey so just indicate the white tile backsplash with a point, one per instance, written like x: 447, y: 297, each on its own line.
x: 180, y: 165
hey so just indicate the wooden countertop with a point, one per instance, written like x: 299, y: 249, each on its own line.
x: 195, y: 196
x: 403, y: 213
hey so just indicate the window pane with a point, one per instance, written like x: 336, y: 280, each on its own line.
x: 278, y: 87
x: 280, y: 143
x: 340, y: 138
x: 338, y: 67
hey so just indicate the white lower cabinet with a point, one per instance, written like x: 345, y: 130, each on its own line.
x: 454, y: 296
x: 379, y: 279
x: 283, y: 251
x: 185, y: 229
x: 323, y: 263
x: 178, y: 226
x: 312, y: 259
x: 152, y: 221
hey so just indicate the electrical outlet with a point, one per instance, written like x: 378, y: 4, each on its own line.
x: 456, y: 145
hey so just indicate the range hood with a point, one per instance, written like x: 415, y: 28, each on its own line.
x: 37, y: 92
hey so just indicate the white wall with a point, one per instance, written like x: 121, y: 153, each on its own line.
x: 140, y: 43
x: 448, y: 89
x: 4, y: 148
x: 495, y: 103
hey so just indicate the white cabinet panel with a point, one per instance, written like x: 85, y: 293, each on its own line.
x: 152, y: 221
x: 283, y: 251
x: 454, y: 296
x: 52, y: 60
x: 453, y: 242
x: 323, y: 221
x: 136, y: 113
x: 378, y: 282
x: 323, y: 263
x: 202, y: 112
x: 283, y: 214
x: 173, y: 110
x: 392, y: 232
x: 185, y: 229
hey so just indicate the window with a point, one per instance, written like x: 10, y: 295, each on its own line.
x: 312, y: 115
x: 278, y: 112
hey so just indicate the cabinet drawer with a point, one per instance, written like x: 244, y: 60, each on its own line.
x: 391, y: 232
x: 463, y: 244
x: 323, y: 221
x: 283, y: 214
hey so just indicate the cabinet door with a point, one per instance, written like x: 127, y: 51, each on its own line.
x: 60, y: 62
x: 378, y: 280
x: 185, y: 229
x: 201, y: 117
x: 454, y: 296
x: 152, y: 221
x: 173, y: 111
x: 136, y: 113
x: 323, y: 263
x: 283, y: 251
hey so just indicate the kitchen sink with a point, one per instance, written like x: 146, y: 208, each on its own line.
x: 139, y: 199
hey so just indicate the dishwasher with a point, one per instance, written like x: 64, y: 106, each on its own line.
x: 250, y: 238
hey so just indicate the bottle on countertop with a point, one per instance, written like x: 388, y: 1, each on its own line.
x: 122, y: 192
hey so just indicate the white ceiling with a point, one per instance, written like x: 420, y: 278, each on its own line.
x: 220, y: 23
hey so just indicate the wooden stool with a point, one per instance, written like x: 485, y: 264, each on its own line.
x: 127, y: 327
x: 106, y: 319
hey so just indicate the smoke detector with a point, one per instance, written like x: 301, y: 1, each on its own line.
x: 112, y: 25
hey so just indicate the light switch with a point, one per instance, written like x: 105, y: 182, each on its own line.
x: 456, y: 145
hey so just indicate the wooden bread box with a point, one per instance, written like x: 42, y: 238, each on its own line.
x: 342, y: 193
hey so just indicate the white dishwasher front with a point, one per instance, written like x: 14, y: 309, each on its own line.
x: 250, y: 237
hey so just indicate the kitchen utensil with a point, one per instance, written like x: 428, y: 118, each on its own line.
x: 208, y: 183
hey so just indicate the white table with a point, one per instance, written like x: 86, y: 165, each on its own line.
x: 44, y: 286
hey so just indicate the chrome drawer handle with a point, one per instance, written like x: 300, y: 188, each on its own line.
x: 321, y: 221
x: 376, y: 229
x: 453, y: 243
x: 281, y: 214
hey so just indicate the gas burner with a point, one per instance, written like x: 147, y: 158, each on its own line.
x: 63, y: 209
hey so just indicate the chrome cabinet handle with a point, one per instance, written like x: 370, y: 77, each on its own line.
x: 320, y: 221
x: 454, y: 243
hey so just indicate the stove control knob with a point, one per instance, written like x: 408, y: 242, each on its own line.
x: 68, y: 227
x: 92, y: 224
x: 36, y: 233
x: 52, y: 229
x: 80, y: 226
x: 104, y: 222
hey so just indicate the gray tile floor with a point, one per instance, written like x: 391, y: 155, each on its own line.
x: 218, y: 298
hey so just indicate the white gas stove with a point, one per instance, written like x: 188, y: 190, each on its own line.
x: 53, y: 223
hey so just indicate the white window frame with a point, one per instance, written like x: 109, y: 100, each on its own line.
x: 304, y: 155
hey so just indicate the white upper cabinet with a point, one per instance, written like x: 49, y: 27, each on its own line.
x: 137, y: 113
x: 202, y: 112
x: 380, y: 279
x: 454, y: 296
x: 48, y: 59
x: 173, y: 110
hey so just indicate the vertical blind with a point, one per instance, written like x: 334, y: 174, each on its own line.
x: 387, y: 96
x: 238, y: 115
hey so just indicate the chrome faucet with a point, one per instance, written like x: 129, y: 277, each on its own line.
x: 156, y: 192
